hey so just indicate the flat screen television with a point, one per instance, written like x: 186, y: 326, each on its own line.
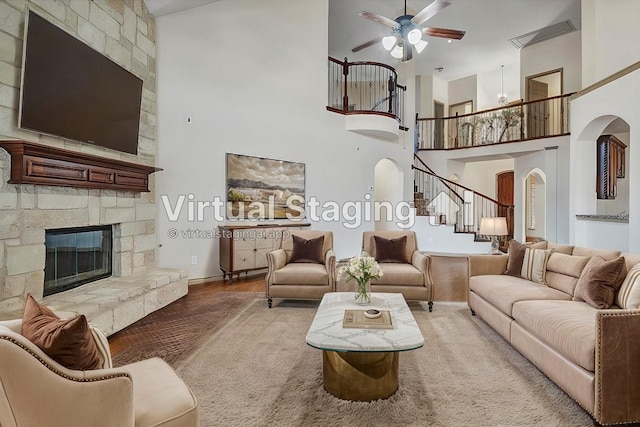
x: 73, y: 92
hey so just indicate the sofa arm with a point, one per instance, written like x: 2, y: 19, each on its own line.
x: 617, y: 366
x: 330, y: 264
x: 480, y: 265
x: 275, y: 261
x: 423, y: 263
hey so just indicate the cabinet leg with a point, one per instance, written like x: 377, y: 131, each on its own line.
x: 430, y: 306
x: 270, y: 302
x: 473, y: 313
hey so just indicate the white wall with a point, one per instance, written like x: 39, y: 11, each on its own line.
x: 490, y: 85
x: 387, y: 189
x: 590, y: 115
x: 559, y: 52
x: 246, y: 95
x: 463, y: 90
x: 610, y: 30
x: 481, y: 176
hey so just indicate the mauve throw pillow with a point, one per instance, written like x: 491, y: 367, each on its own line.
x: 516, y: 256
x: 68, y: 342
x: 599, y: 281
x: 309, y: 251
x: 391, y: 250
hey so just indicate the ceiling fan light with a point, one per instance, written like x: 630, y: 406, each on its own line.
x: 388, y: 42
x: 397, y: 52
x: 421, y: 45
x: 414, y: 36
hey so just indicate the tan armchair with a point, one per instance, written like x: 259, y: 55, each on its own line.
x: 412, y: 280
x: 300, y: 280
x: 36, y: 391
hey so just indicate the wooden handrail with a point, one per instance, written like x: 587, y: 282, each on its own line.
x: 463, y: 187
x: 615, y: 76
x: 520, y: 104
x: 377, y: 64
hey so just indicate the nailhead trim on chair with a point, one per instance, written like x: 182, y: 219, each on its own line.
x: 53, y: 369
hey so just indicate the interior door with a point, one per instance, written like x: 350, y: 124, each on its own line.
x: 438, y: 131
x: 537, y: 111
x: 504, y: 192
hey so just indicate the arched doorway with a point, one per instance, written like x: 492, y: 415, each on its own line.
x: 387, y: 194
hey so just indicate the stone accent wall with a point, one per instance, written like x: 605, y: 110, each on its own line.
x: 124, y: 31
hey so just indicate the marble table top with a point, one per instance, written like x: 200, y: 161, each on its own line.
x: 326, y: 331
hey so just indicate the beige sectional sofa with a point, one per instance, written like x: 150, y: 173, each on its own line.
x: 592, y: 354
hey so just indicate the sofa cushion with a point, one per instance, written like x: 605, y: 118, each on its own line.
x: 516, y: 256
x: 534, y: 265
x: 69, y: 342
x: 301, y: 274
x: 604, y: 253
x: 564, y: 270
x: 503, y: 291
x: 307, y: 250
x: 599, y: 282
x: 560, y: 248
x: 399, y: 274
x: 629, y: 294
x: 567, y: 326
x: 391, y: 250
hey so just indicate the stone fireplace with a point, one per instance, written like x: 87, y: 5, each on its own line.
x: 124, y: 31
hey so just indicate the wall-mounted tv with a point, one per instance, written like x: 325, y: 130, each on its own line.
x: 73, y: 92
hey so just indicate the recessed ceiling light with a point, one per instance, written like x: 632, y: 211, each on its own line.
x: 439, y: 69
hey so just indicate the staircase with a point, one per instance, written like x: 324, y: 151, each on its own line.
x: 441, y: 202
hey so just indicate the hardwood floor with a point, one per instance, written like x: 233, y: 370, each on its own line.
x: 170, y: 331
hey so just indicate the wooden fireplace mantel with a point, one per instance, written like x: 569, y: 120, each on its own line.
x: 44, y: 165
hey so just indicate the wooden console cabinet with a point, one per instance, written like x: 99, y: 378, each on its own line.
x: 244, y: 248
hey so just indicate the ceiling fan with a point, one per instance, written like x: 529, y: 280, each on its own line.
x: 407, y: 31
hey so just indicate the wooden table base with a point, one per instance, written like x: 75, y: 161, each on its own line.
x: 360, y: 376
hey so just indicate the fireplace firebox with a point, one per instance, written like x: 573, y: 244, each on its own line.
x: 75, y: 256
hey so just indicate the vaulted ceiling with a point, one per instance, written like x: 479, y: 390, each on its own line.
x: 489, y: 24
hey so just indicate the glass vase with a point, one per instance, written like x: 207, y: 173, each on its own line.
x: 362, y: 294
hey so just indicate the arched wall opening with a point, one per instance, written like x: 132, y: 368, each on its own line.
x: 388, y: 193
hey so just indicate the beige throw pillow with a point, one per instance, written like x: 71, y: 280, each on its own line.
x: 534, y: 265
x: 629, y: 294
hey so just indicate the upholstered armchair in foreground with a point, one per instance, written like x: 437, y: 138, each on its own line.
x: 36, y: 391
x: 303, y: 267
x: 405, y: 269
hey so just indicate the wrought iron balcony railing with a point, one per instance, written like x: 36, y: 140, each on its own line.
x: 517, y: 121
x: 365, y: 88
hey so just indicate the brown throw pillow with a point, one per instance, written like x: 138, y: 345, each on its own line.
x: 516, y: 256
x: 68, y: 342
x: 391, y: 250
x: 309, y: 251
x: 599, y: 281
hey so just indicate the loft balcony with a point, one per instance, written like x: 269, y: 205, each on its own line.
x: 517, y: 121
x: 369, y: 96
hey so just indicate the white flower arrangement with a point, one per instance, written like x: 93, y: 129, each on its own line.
x: 362, y: 268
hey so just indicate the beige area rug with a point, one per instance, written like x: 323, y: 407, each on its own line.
x: 258, y: 370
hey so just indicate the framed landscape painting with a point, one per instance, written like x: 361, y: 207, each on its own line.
x: 259, y: 188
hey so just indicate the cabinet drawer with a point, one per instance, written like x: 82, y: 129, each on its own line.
x: 244, y: 260
x: 264, y: 238
x: 243, y: 242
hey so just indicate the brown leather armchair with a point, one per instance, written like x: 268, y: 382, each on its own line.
x: 300, y: 280
x: 37, y: 391
x: 413, y: 279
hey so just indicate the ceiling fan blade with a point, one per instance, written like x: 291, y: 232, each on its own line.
x: 379, y: 18
x: 445, y: 33
x: 429, y: 11
x: 367, y: 44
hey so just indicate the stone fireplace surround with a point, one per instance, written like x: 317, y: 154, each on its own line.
x: 136, y: 288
